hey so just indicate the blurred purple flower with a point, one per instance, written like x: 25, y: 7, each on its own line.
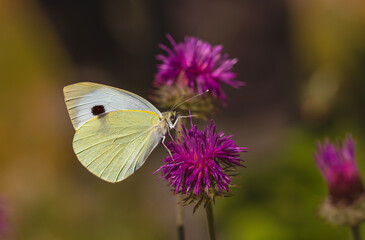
x: 196, y: 64
x: 201, y: 162
x: 338, y: 167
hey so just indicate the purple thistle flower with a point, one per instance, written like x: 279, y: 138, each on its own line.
x: 338, y: 167
x: 201, y: 162
x: 196, y: 64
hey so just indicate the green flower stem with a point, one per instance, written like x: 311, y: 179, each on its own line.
x: 210, y: 219
x: 179, y: 218
x: 355, y: 230
x: 178, y: 197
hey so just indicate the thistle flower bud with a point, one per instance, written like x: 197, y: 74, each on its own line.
x: 167, y: 96
x: 345, y: 204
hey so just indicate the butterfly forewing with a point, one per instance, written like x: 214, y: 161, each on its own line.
x: 114, y: 145
x: 86, y: 100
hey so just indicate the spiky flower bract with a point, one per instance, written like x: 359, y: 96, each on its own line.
x: 167, y: 96
x: 198, y: 65
x: 202, y: 164
x: 345, y: 204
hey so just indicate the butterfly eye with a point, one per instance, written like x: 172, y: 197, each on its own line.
x: 172, y: 115
x: 97, y: 110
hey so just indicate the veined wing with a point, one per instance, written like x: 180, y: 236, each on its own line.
x: 115, y: 145
x: 85, y: 97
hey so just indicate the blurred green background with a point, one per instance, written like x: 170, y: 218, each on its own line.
x: 304, y: 66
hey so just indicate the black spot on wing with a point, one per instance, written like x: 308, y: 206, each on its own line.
x: 97, y: 110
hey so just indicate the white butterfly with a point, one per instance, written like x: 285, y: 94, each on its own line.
x: 115, y: 130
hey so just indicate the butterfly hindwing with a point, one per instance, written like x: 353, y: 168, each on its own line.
x: 86, y: 100
x: 115, y: 144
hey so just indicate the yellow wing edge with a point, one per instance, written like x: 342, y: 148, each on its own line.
x: 149, y: 112
x: 96, y: 86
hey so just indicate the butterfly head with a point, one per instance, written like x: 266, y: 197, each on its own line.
x: 170, y: 118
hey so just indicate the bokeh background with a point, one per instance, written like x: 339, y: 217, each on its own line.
x: 304, y: 67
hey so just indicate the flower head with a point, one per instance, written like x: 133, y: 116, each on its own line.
x: 201, y: 163
x: 196, y: 64
x: 339, y: 169
x: 345, y: 204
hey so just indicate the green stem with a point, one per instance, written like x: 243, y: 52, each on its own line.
x: 355, y: 230
x: 179, y: 218
x: 210, y: 219
x: 179, y: 205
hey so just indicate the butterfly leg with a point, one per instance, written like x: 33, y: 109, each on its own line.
x: 163, y: 143
x: 168, y: 130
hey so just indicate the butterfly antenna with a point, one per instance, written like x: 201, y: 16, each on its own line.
x: 181, y: 98
x: 174, y: 107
